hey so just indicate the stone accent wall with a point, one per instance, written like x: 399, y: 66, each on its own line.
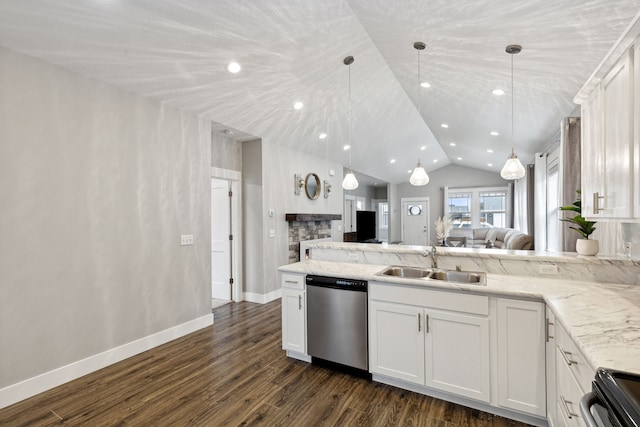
x: 305, y: 230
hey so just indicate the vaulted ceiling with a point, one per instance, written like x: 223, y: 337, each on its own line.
x: 176, y: 51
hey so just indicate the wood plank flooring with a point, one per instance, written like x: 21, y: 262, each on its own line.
x: 233, y: 373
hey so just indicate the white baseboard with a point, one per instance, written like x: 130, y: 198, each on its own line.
x: 43, y: 382
x: 263, y: 298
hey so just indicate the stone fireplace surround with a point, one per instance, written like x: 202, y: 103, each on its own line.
x: 307, y: 227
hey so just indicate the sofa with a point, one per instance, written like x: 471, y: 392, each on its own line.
x: 502, y: 238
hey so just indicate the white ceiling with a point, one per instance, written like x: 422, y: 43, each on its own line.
x: 176, y: 51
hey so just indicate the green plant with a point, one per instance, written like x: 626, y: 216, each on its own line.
x: 584, y: 227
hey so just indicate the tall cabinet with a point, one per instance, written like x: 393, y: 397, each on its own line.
x: 610, y: 103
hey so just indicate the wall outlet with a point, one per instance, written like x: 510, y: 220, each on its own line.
x: 186, y: 239
x: 548, y: 269
x: 272, y: 233
x: 353, y: 256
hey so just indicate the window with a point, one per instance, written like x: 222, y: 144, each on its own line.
x: 478, y: 207
x: 383, y: 208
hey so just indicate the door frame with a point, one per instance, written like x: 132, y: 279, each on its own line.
x: 237, y: 250
x: 403, y: 200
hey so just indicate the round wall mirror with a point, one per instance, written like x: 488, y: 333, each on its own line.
x: 312, y: 186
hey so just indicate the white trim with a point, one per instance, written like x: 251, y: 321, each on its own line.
x: 263, y: 298
x: 226, y: 174
x: 43, y: 382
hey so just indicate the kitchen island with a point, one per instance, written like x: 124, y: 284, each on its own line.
x: 592, y: 324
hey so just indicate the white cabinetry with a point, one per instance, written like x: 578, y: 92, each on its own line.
x: 521, y: 356
x: 573, y: 379
x: 294, y: 317
x: 433, y: 338
x: 396, y: 341
x: 552, y: 417
x: 609, y: 147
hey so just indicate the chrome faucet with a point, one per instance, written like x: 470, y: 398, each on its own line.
x: 434, y: 256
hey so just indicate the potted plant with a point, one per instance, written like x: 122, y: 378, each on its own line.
x: 443, y: 228
x: 584, y: 246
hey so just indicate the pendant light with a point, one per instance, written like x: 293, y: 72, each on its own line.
x: 513, y: 169
x: 349, y: 182
x: 419, y: 175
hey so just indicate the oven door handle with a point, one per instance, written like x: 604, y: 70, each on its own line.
x: 585, y: 405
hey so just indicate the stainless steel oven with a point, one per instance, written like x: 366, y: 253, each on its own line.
x: 613, y: 401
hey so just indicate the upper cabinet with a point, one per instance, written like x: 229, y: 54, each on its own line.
x: 610, y: 103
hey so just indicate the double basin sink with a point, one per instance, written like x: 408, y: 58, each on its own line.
x: 454, y: 276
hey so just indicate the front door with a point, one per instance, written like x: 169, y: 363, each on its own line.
x: 415, y: 221
x: 220, y: 243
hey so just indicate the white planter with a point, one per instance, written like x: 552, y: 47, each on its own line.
x: 587, y: 247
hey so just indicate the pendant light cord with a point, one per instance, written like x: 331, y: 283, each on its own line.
x: 350, y: 120
x: 513, y: 148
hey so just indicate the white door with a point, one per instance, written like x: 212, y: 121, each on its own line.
x: 457, y: 354
x: 415, y: 221
x: 396, y: 341
x: 220, y: 243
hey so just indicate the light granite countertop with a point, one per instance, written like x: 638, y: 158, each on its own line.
x: 602, y: 319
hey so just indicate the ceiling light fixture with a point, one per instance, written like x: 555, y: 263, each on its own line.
x: 425, y: 84
x: 419, y: 175
x: 234, y: 67
x: 424, y: 147
x: 494, y: 133
x: 349, y: 182
x: 452, y: 144
x: 489, y: 150
x: 298, y: 105
x: 322, y: 135
x: 512, y: 169
x: 444, y: 125
x: 392, y: 161
x: 497, y: 92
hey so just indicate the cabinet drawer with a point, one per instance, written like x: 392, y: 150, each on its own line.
x: 569, y: 356
x: 568, y: 394
x: 293, y: 281
x: 429, y: 298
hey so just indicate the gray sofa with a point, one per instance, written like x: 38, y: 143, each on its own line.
x: 503, y: 238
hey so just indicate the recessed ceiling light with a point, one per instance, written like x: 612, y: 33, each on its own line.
x: 410, y: 170
x: 497, y: 92
x: 459, y: 158
x: 425, y: 84
x: 234, y: 67
x: 453, y: 144
x: 322, y: 135
x: 424, y: 147
x: 490, y: 164
x: 298, y: 105
x: 392, y: 161
x: 346, y: 147
x: 444, y: 125
x: 435, y: 161
x: 489, y: 150
x: 494, y: 133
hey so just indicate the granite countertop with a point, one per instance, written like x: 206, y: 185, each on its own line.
x: 602, y: 319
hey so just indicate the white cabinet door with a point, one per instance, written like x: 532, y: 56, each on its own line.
x: 294, y: 320
x: 396, y: 341
x: 550, y: 350
x: 617, y: 100
x: 521, y: 356
x: 457, y: 354
x: 592, y: 155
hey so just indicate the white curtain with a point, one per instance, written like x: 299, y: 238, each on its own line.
x: 540, y: 201
x: 520, y: 211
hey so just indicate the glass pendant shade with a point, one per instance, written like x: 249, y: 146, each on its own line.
x: 350, y: 182
x: 419, y: 176
x: 513, y: 169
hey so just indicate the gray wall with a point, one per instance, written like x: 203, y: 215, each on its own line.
x: 226, y: 153
x: 96, y: 186
x: 450, y: 176
x: 253, y: 227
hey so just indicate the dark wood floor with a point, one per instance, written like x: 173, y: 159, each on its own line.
x: 233, y: 373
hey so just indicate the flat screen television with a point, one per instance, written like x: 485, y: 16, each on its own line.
x: 365, y: 225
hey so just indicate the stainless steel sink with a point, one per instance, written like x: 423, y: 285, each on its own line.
x: 459, y: 277
x: 407, y: 272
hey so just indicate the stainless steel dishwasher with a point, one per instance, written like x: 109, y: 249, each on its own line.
x: 337, y: 325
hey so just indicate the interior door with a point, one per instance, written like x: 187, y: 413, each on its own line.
x: 415, y: 222
x: 220, y: 243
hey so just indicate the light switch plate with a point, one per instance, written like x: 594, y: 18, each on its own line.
x: 272, y: 233
x: 186, y: 239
